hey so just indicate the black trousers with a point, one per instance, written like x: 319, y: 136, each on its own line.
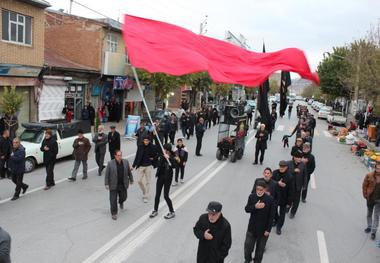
x: 112, y: 155
x: 260, y: 150
x: 50, y: 173
x: 279, y: 216
x: 199, y: 145
x: 3, y: 170
x: 99, y: 158
x: 166, y: 136
x: 191, y: 129
x: 17, y: 179
x: 304, y: 191
x: 296, y: 202
x: 172, y: 136
x: 179, y: 168
x: 165, y: 183
x: 120, y: 192
x: 253, y: 241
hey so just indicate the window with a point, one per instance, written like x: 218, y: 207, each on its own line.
x: 16, y: 27
x: 112, y: 43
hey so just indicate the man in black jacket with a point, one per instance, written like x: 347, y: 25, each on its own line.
x: 309, y: 160
x: 298, y: 170
x: 5, y: 246
x: 199, y: 132
x: 49, y: 147
x: 261, y: 143
x: 144, y: 160
x: 261, y: 207
x: 270, y: 184
x: 214, y: 234
x: 17, y: 168
x: 113, y: 141
x: 285, y: 191
x: 5, y: 152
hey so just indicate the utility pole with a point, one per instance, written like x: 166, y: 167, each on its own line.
x: 71, y: 6
x: 357, y: 79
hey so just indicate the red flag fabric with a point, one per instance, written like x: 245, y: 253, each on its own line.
x: 161, y: 47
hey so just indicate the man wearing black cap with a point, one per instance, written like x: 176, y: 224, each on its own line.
x: 214, y: 234
x: 261, y: 207
x: 298, y: 170
x: 81, y: 147
x: 284, y: 194
x: 309, y: 160
x: 113, y: 141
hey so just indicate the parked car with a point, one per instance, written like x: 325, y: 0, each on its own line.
x: 299, y: 98
x: 336, y: 117
x: 156, y: 115
x: 65, y: 134
x: 324, y: 112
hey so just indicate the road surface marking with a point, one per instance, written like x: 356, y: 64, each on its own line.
x: 312, y: 182
x: 316, y: 133
x: 150, y: 229
x: 56, y: 182
x: 327, y: 134
x: 280, y: 127
x: 101, y: 251
x: 324, y: 257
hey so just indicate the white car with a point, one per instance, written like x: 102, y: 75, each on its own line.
x: 65, y: 134
x: 324, y: 112
x: 336, y: 117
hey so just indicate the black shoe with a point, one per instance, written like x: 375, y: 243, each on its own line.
x: 24, y: 189
x: 274, y: 223
x: 303, y: 200
x: 367, y: 230
x: 121, y: 206
x: 291, y: 216
x: 255, y: 163
x: 278, y: 231
x: 71, y: 179
x: 373, y: 236
x: 15, y: 198
x: 199, y: 155
x: 261, y: 163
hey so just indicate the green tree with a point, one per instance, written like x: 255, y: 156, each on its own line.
x: 11, y: 101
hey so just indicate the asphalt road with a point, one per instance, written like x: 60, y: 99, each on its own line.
x: 71, y: 222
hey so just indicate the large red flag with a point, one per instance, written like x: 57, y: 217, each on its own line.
x: 161, y: 47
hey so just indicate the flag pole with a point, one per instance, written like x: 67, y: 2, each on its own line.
x: 147, y: 110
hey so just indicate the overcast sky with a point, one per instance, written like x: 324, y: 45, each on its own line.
x: 314, y: 26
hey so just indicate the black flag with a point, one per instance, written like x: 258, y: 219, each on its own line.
x: 263, y: 103
x: 285, y: 83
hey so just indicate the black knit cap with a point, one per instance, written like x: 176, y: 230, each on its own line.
x: 214, y: 207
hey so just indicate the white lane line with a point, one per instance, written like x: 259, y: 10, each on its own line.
x: 138, y: 239
x: 281, y: 127
x: 312, y: 182
x: 56, y: 182
x: 327, y: 134
x: 323, y: 255
x: 101, y: 251
x: 139, y: 222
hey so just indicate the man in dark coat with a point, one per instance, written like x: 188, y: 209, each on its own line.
x: 91, y: 112
x: 270, y: 184
x: 309, y: 160
x: 199, y: 132
x: 17, y: 168
x: 5, y: 152
x: 49, y: 147
x: 113, y: 141
x: 100, y: 140
x: 81, y: 147
x: 192, y: 122
x: 261, y: 144
x: 285, y: 189
x: 117, y: 179
x: 5, y: 246
x: 298, y: 170
x: 262, y: 208
x: 214, y: 234
x: 141, y: 133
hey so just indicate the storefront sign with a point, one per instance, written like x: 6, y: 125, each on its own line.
x: 19, y: 71
x: 123, y: 83
x: 131, y: 126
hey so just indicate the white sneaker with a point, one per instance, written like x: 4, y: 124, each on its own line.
x: 169, y: 215
x: 175, y: 184
x: 153, y: 214
x: 145, y: 200
x: 182, y: 181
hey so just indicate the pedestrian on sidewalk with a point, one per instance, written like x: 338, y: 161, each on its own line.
x: 113, y: 141
x: 17, y: 168
x: 199, y: 132
x: 273, y: 118
x: 173, y: 127
x: 214, y: 234
x: 49, y: 147
x: 164, y: 176
x: 262, y: 208
x: 5, y: 246
x: 309, y: 160
x: 81, y: 147
x: 261, y: 144
x: 117, y: 180
x: 181, y: 155
x: 371, y: 192
x: 298, y: 171
x: 285, y: 190
x: 143, y: 163
x: 185, y: 125
x: 5, y: 152
x: 100, y: 139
